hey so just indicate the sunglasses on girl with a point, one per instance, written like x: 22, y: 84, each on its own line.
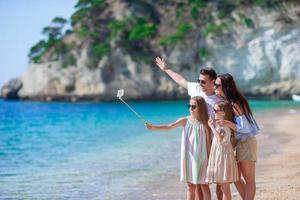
x: 218, y: 110
x: 192, y: 106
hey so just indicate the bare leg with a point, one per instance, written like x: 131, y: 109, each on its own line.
x: 199, y: 194
x: 191, y: 191
x: 226, y: 191
x: 206, y: 192
x: 219, y: 192
x: 248, y: 172
x: 240, y: 184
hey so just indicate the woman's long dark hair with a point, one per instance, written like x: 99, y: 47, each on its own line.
x: 234, y: 96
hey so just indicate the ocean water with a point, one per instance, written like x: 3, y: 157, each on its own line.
x: 89, y: 150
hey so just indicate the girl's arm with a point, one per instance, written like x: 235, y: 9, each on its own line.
x: 211, y: 123
x: 227, y: 123
x: 179, y: 122
x: 219, y: 135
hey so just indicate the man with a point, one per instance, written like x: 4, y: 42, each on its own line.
x: 204, y: 88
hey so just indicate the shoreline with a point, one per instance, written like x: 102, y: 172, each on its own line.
x: 112, y: 97
x: 71, y: 99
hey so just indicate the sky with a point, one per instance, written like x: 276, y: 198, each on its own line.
x: 21, y: 25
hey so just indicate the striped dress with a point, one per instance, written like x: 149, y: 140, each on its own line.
x: 194, y: 156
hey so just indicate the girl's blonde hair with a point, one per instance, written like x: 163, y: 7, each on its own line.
x: 202, y: 115
x: 229, y: 115
x: 227, y: 108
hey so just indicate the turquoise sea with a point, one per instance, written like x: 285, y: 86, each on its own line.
x: 89, y: 150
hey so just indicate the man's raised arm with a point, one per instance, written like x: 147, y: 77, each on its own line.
x: 175, y: 76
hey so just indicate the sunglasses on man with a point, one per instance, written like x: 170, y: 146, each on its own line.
x: 202, y: 82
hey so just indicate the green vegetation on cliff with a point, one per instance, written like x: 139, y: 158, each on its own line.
x: 141, y: 28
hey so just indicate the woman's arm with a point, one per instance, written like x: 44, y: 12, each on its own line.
x: 243, y: 126
x: 237, y: 110
x: 179, y: 122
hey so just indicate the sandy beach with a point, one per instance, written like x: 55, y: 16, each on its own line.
x: 278, y: 166
x: 278, y: 172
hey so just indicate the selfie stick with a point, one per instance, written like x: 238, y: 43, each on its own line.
x: 119, y: 95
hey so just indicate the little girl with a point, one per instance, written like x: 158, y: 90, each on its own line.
x: 222, y: 167
x: 195, y: 146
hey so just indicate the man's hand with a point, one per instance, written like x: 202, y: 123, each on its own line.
x: 175, y: 76
x: 161, y: 63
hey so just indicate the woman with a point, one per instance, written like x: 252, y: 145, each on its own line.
x: 246, y: 129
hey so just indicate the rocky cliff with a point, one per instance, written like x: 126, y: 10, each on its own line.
x: 259, y: 46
